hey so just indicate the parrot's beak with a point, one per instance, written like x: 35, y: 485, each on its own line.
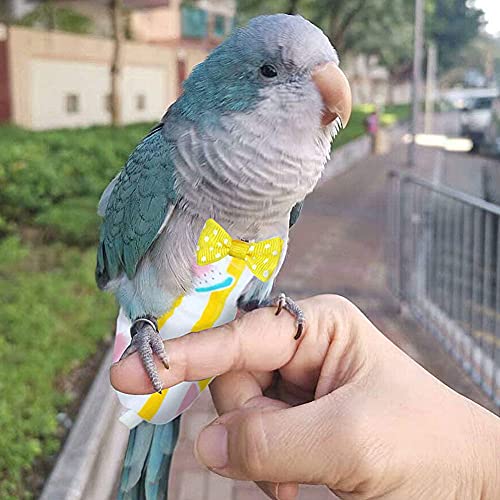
x: 335, y: 91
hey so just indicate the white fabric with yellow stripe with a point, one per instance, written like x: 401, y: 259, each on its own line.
x: 213, y: 303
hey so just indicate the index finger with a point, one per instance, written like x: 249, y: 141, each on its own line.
x: 259, y: 340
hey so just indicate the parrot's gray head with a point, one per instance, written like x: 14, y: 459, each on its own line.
x: 281, y: 66
x: 272, y: 96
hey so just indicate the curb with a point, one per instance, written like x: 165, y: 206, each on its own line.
x: 90, y: 461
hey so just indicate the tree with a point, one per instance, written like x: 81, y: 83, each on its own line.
x: 338, y: 17
x: 383, y: 29
x: 452, y: 25
x: 251, y: 8
x: 292, y: 6
x: 482, y: 55
x: 116, y: 8
x: 50, y: 17
x: 374, y: 33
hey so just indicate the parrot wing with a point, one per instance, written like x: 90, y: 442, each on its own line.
x: 136, y: 207
x: 295, y: 213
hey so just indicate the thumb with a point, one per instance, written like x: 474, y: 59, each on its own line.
x: 280, y: 445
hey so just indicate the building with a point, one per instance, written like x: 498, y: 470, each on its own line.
x: 203, y: 21
x: 371, y: 82
x: 50, y: 79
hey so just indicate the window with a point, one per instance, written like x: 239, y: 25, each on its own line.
x: 220, y: 26
x: 194, y: 22
x: 140, y: 102
x: 72, y: 103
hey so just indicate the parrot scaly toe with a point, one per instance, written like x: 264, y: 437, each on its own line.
x: 283, y: 302
x: 146, y: 340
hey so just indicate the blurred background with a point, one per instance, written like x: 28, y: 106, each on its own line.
x: 406, y: 217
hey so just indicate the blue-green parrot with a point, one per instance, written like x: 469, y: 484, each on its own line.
x: 243, y: 145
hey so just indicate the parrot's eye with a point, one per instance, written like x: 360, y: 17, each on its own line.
x: 268, y: 71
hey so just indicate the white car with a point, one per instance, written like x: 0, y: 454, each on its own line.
x: 476, y: 118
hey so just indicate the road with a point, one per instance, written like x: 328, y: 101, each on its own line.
x: 338, y: 247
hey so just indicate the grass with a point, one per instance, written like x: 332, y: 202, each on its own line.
x: 356, y: 128
x: 52, y: 316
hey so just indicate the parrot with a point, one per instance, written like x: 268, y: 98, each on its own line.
x: 232, y: 159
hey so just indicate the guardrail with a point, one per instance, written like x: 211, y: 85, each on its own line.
x: 443, y: 255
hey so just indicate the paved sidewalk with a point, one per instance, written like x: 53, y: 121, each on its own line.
x: 337, y: 247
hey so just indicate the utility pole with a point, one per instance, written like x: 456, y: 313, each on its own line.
x: 116, y: 7
x: 430, y: 88
x: 418, y: 49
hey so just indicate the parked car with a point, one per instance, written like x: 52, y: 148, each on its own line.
x: 491, y: 142
x: 490, y: 149
x: 476, y: 118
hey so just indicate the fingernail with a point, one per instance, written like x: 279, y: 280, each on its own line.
x: 211, y: 446
x: 285, y: 491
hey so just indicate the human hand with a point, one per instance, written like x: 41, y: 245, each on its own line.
x: 342, y: 407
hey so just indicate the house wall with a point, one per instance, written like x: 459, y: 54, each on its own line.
x: 47, y: 67
x: 158, y: 24
x: 370, y: 82
x: 191, y: 57
x: 147, y: 24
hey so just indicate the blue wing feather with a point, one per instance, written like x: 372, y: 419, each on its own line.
x: 136, y: 208
x: 295, y: 213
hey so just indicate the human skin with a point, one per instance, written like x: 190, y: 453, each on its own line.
x: 342, y: 407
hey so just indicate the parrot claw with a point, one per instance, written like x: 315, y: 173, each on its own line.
x: 283, y: 302
x: 146, y: 340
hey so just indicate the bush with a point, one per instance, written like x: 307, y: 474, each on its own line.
x: 53, y: 318
x: 39, y: 171
x: 73, y: 221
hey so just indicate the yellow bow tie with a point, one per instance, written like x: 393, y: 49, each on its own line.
x: 215, y: 243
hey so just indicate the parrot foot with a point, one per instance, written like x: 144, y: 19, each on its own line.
x: 283, y: 302
x: 146, y: 340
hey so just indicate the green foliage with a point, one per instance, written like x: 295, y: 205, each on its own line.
x: 73, y: 221
x: 52, y: 315
x: 373, y: 27
x: 482, y: 54
x: 452, y: 25
x: 48, y: 16
x: 374, y: 33
x: 44, y: 173
x: 52, y: 320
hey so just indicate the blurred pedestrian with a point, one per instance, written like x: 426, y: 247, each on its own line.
x: 372, y: 128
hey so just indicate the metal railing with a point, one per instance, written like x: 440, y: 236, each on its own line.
x: 444, y: 264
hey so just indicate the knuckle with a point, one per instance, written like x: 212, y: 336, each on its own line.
x: 254, y: 449
x: 331, y: 312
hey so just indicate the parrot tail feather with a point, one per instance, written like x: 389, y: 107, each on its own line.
x: 147, y: 461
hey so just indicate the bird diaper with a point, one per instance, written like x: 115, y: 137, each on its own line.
x: 212, y: 303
